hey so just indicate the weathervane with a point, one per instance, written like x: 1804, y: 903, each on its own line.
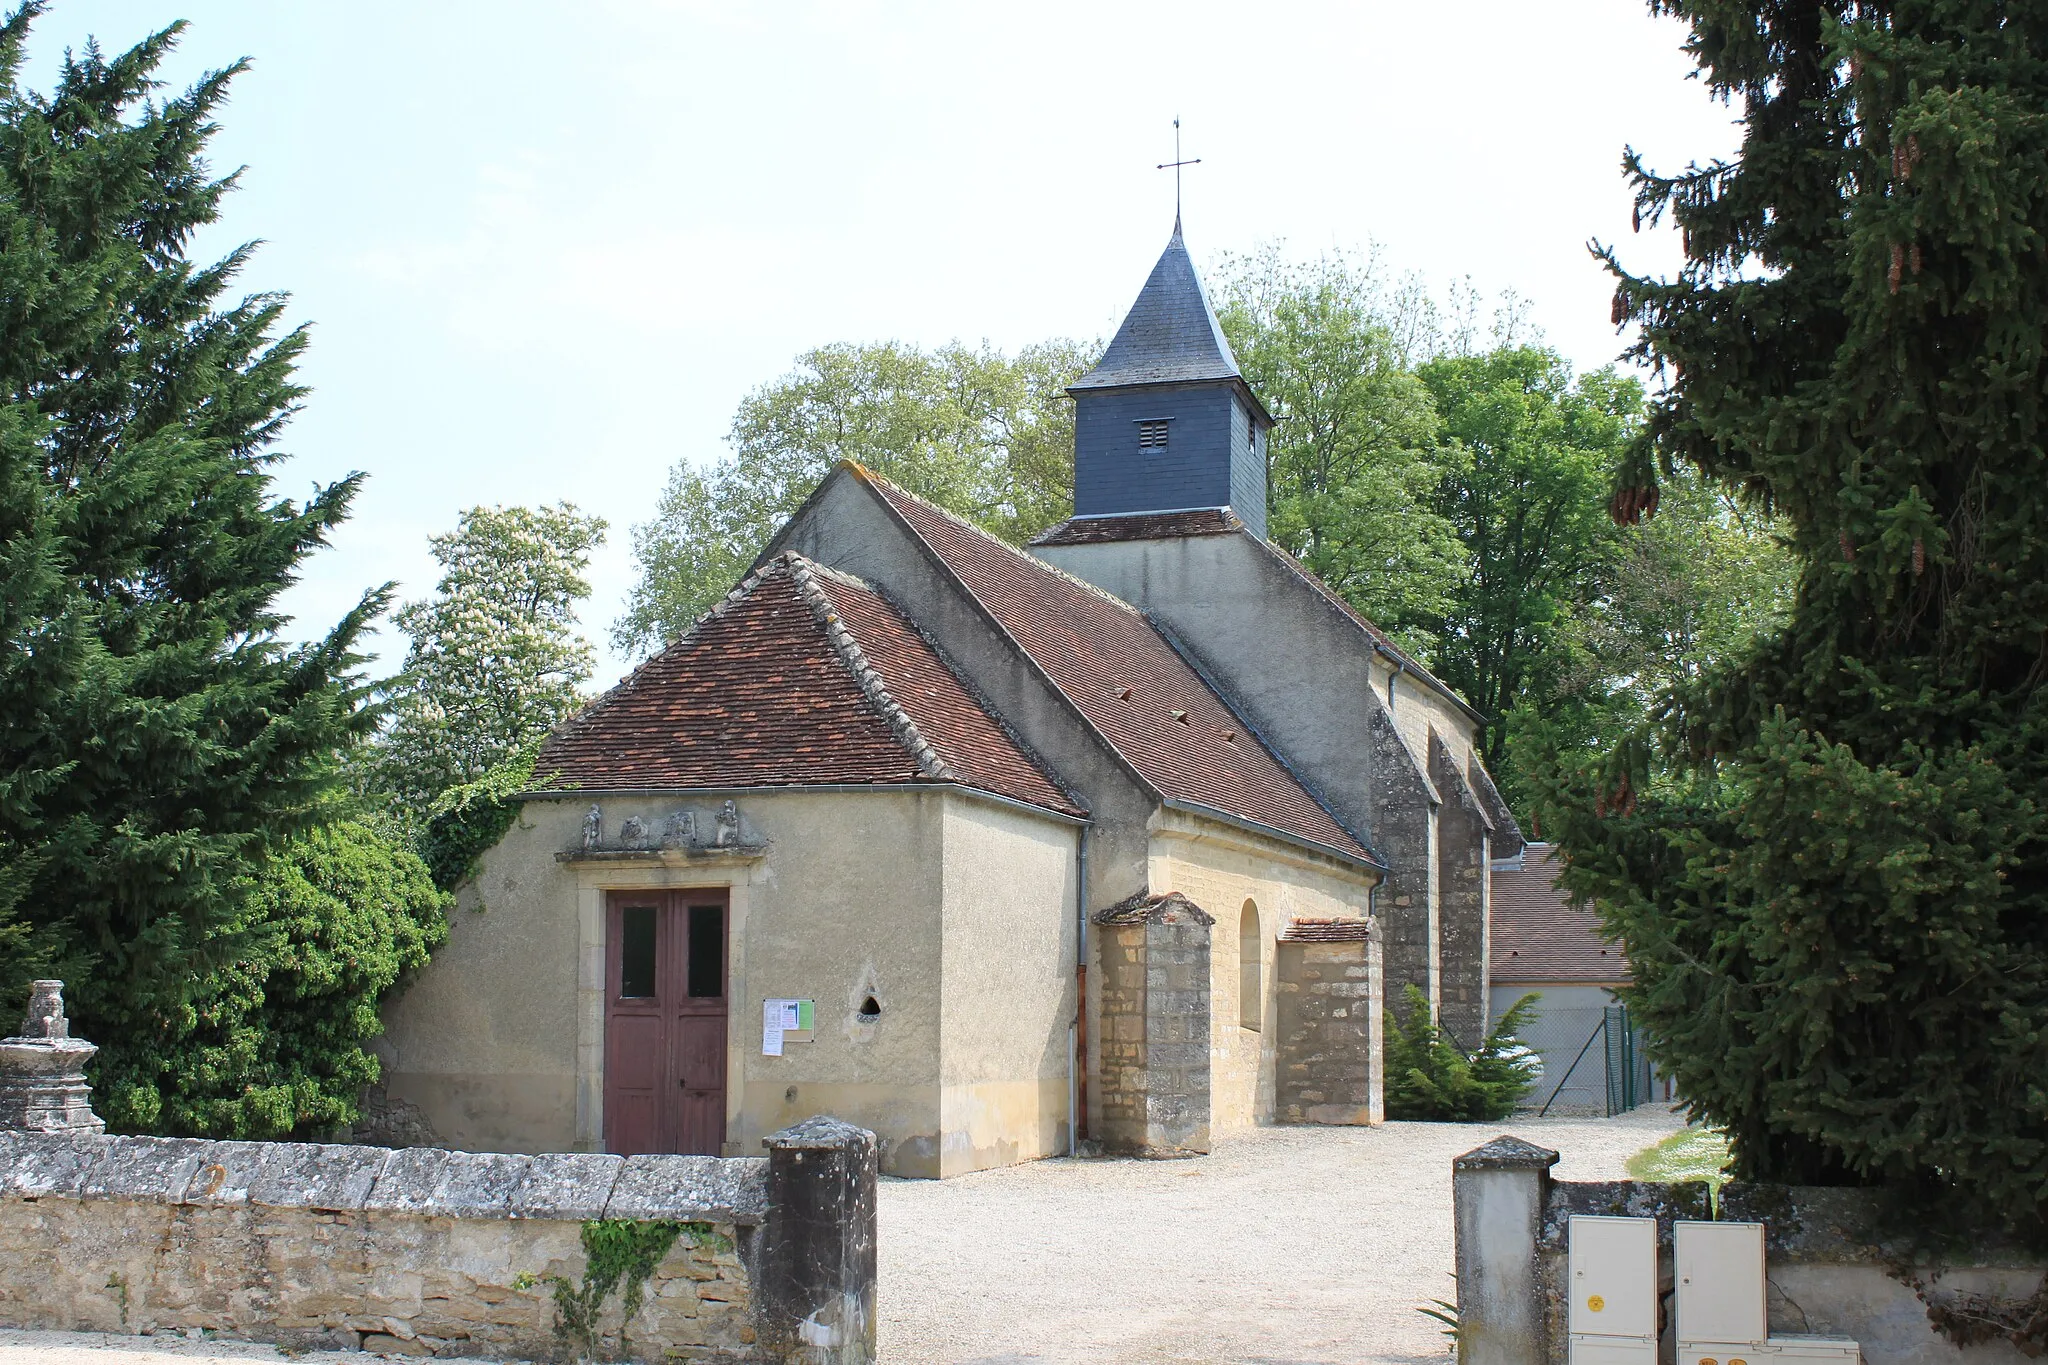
x: 1174, y: 166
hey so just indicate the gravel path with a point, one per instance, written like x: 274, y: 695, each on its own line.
x: 1284, y: 1247
x: 1288, y: 1246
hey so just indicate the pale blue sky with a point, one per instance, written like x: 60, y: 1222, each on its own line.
x: 546, y: 249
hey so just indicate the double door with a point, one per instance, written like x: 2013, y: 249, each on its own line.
x: 665, y: 1019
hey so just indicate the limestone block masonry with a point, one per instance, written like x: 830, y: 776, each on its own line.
x: 1155, y: 1023
x: 1328, y: 1012
x: 429, y: 1252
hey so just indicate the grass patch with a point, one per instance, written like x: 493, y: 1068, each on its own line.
x: 1689, y: 1154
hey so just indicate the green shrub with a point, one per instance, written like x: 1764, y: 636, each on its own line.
x: 271, y: 1043
x: 1430, y: 1077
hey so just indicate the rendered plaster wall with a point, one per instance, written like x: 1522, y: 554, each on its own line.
x: 412, y: 1252
x: 847, y: 526
x: 1833, y: 1265
x: 499, y: 1043
x: 1007, y: 986
x: 1328, y: 1022
x: 1259, y: 630
x: 1223, y: 870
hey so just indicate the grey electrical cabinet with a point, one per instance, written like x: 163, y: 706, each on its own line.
x: 1611, y: 1267
x: 1722, y: 1315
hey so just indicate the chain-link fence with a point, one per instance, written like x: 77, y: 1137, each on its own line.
x: 1593, y: 1061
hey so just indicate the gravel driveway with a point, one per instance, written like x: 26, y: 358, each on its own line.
x: 1286, y: 1245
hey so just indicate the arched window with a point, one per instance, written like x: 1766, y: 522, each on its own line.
x: 1251, y: 995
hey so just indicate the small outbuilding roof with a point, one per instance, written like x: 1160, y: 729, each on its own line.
x: 801, y: 677
x: 1327, y: 931
x: 1202, y: 521
x: 1145, y: 908
x: 1539, y: 936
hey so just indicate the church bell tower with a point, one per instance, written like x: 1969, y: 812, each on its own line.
x: 1165, y: 422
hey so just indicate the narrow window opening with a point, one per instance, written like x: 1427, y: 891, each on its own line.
x: 636, y: 952
x: 870, y: 1008
x: 707, y: 951
x: 1152, y: 433
x: 1251, y: 997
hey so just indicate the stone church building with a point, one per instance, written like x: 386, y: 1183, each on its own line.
x: 1122, y: 838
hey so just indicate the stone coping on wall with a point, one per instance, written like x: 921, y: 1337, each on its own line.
x: 1828, y: 1224
x: 570, y: 1186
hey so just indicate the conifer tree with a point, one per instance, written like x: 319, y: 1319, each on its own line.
x: 157, y: 740
x: 1829, y: 864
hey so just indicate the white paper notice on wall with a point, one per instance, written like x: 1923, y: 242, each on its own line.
x: 779, y: 1016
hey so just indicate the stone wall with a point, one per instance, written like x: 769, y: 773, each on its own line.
x: 427, y: 1252
x: 1327, y: 1013
x: 1464, y: 872
x: 1837, y: 1262
x: 1155, y: 1021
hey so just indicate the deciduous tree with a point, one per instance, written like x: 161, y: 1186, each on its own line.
x: 495, y: 661
x: 985, y: 435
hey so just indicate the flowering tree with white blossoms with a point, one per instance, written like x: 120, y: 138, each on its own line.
x: 496, y: 660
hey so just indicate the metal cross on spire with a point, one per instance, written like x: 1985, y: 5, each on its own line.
x: 1174, y: 166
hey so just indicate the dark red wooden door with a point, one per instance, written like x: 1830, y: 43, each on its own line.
x: 664, y: 1032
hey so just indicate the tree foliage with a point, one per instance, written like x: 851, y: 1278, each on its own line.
x: 272, y: 1043
x: 1353, y: 464
x: 495, y: 661
x: 985, y: 435
x: 1533, y: 453
x: 1829, y: 861
x: 1430, y: 1077
x: 159, y: 739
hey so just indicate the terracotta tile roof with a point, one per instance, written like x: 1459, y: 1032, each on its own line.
x: 1125, y: 678
x: 801, y: 676
x: 1144, y: 907
x: 1539, y: 936
x: 1202, y: 521
x: 1327, y: 931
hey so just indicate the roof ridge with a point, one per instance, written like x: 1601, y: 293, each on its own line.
x: 865, y: 674
x: 863, y: 472
x: 988, y: 707
x: 1385, y: 642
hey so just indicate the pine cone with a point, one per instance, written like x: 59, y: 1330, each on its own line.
x: 1618, y: 314
x: 1919, y: 556
x: 1898, y: 267
x: 1848, y: 550
x: 1913, y: 259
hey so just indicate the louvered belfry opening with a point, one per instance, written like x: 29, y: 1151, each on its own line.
x: 1152, y: 433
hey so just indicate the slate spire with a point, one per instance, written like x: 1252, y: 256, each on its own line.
x: 1165, y: 421
x: 1170, y: 335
